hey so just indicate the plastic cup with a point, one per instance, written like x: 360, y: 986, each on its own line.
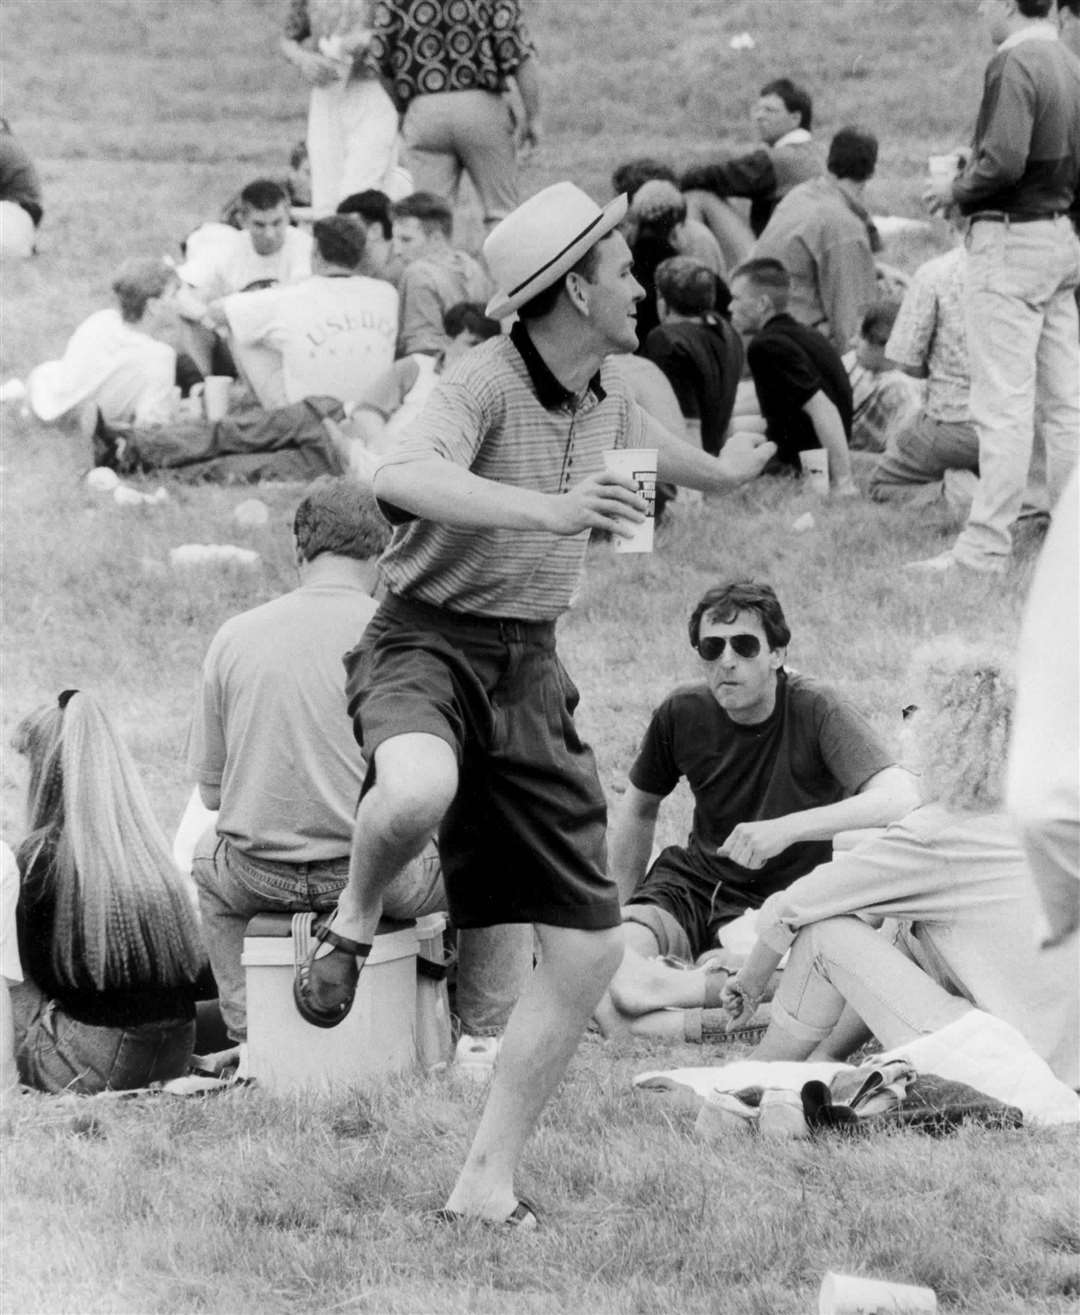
x: 815, y: 469
x: 848, y: 1294
x: 944, y: 168
x: 216, y: 396
x: 638, y: 464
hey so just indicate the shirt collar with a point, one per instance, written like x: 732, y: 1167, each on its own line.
x: 796, y: 137
x: 549, y: 391
x: 1033, y: 32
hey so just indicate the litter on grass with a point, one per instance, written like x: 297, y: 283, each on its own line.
x: 212, y: 554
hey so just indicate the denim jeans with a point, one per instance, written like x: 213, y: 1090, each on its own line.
x: 493, y: 962
x: 845, y: 960
x: 920, y: 453
x: 1024, y: 355
x: 54, y: 1052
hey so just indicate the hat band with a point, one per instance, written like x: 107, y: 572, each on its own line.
x: 557, y: 257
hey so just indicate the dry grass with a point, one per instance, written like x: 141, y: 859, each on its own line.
x: 145, y: 114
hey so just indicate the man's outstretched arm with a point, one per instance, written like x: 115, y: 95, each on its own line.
x: 438, y: 489
x: 632, y: 840
x: 743, y: 457
x: 887, y: 796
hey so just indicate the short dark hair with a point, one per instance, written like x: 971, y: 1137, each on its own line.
x: 769, y: 275
x: 544, y: 302
x: 628, y: 177
x: 724, y: 602
x: 339, y: 240
x: 796, y: 99
x: 433, y: 212
x: 1070, y: 6
x: 1035, y: 8
x: 686, y: 286
x: 339, y: 516
x: 469, y: 317
x: 853, y: 154
x: 372, y: 206
x: 264, y: 194
x: 879, y: 320
x: 138, y: 281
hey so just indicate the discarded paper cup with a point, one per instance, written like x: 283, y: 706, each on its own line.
x: 944, y: 168
x: 848, y: 1294
x: 639, y: 464
x: 216, y: 396
x: 815, y: 469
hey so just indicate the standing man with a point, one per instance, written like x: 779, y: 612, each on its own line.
x: 458, y: 698
x: 1023, y: 270
x: 449, y: 63
x: 802, y: 386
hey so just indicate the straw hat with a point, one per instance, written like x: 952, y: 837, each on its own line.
x: 536, y: 244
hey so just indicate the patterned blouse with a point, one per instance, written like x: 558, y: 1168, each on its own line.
x: 426, y: 46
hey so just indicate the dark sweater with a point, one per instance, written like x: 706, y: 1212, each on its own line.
x: 1026, y: 151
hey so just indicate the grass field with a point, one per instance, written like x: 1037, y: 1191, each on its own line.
x: 145, y: 115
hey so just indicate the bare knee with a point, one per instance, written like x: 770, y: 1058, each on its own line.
x: 414, y: 786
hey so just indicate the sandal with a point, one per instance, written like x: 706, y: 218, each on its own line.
x: 345, y: 978
x: 524, y: 1216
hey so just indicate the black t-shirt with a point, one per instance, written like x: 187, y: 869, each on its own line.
x: 791, y: 362
x: 703, y: 360
x: 813, y: 749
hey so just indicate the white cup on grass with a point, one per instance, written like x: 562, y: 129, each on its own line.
x: 848, y: 1294
x: 815, y: 469
x: 216, y: 396
x: 638, y: 464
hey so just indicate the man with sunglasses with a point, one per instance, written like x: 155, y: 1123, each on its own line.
x: 777, y: 763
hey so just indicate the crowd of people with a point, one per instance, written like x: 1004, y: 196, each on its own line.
x: 469, y: 399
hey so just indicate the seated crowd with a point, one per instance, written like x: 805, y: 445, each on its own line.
x: 763, y: 308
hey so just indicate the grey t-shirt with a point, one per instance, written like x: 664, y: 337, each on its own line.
x: 270, y: 727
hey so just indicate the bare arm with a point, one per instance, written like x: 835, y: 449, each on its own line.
x: 313, y: 67
x: 441, y: 490
x: 829, y: 429
x: 887, y: 796
x: 742, y: 458
x: 632, y: 840
x: 528, y: 84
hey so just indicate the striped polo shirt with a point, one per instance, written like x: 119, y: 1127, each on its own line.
x: 501, y: 413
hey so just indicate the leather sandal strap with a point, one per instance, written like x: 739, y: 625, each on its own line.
x: 342, y: 942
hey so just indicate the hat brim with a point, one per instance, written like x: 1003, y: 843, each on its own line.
x: 505, y: 303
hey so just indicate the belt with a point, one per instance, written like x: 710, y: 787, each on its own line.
x: 1013, y: 216
x: 504, y: 628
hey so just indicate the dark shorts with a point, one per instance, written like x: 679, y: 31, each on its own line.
x: 676, y: 885
x: 524, y: 839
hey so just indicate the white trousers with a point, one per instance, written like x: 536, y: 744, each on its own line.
x: 351, y: 141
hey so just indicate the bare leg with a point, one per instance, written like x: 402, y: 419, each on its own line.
x: 844, y: 962
x: 540, y: 1039
x: 416, y: 779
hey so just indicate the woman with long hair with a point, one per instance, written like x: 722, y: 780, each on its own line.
x: 952, y: 872
x: 108, y: 935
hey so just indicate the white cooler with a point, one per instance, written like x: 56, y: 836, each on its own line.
x: 400, y: 1016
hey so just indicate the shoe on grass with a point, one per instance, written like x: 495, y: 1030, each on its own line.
x: 475, y: 1056
x: 524, y: 1218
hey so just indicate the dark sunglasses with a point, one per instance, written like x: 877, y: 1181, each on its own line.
x: 744, y: 646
